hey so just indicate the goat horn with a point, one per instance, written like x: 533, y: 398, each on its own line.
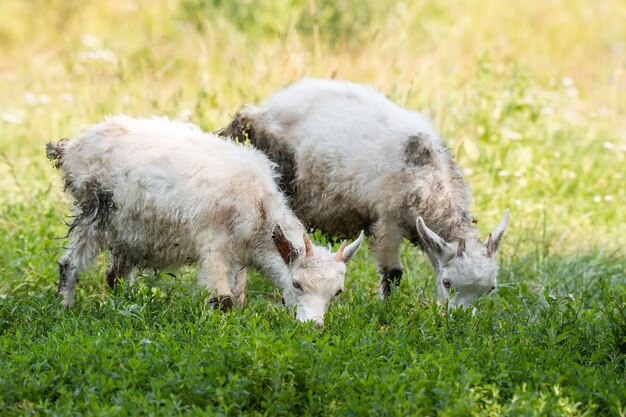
x: 461, y: 248
x: 308, y: 246
x: 339, y: 254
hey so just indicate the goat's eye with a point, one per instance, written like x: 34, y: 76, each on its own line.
x: 447, y: 283
x: 297, y: 285
x: 339, y: 291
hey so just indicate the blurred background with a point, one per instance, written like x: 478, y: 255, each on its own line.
x: 530, y: 96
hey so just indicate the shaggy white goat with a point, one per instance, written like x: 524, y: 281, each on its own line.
x: 157, y: 193
x: 350, y: 159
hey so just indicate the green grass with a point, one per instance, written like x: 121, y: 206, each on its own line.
x: 530, y: 97
x: 160, y: 350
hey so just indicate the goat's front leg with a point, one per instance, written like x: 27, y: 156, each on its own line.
x: 214, y: 275
x: 386, y: 250
x: 239, y: 288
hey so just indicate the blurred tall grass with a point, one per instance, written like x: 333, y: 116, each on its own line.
x: 529, y: 95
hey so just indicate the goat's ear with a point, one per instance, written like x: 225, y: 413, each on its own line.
x: 284, y: 246
x: 496, y: 235
x: 432, y: 244
x: 345, y: 253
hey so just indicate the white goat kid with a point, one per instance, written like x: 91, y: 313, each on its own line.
x: 350, y: 159
x: 157, y: 193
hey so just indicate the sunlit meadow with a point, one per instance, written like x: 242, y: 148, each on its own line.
x: 531, y: 98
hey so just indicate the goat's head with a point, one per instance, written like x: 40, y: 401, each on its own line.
x: 465, y: 270
x: 316, y: 276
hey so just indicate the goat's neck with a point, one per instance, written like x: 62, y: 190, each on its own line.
x: 450, y: 225
x: 273, y: 267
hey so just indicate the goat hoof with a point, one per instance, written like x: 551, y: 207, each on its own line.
x: 390, y: 278
x: 222, y: 302
x: 112, y: 281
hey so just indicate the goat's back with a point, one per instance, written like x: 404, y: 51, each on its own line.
x: 313, y: 114
x: 347, y: 154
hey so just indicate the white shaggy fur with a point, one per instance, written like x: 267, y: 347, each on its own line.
x: 351, y: 159
x: 158, y: 193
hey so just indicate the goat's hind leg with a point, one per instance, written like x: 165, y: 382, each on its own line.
x: 82, y: 249
x: 120, y: 267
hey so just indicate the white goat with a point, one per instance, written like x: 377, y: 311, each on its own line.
x: 350, y: 159
x: 157, y: 193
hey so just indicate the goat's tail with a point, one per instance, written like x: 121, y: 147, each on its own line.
x: 55, y: 151
x: 240, y: 128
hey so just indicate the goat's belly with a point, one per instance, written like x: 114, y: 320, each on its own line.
x: 332, y: 219
x: 346, y: 226
x: 153, y: 244
x: 154, y: 254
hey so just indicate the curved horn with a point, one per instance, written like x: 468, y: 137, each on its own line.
x: 339, y: 254
x: 308, y: 245
x: 496, y: 235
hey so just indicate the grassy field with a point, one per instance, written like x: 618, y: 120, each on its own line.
x: 531, y: 97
